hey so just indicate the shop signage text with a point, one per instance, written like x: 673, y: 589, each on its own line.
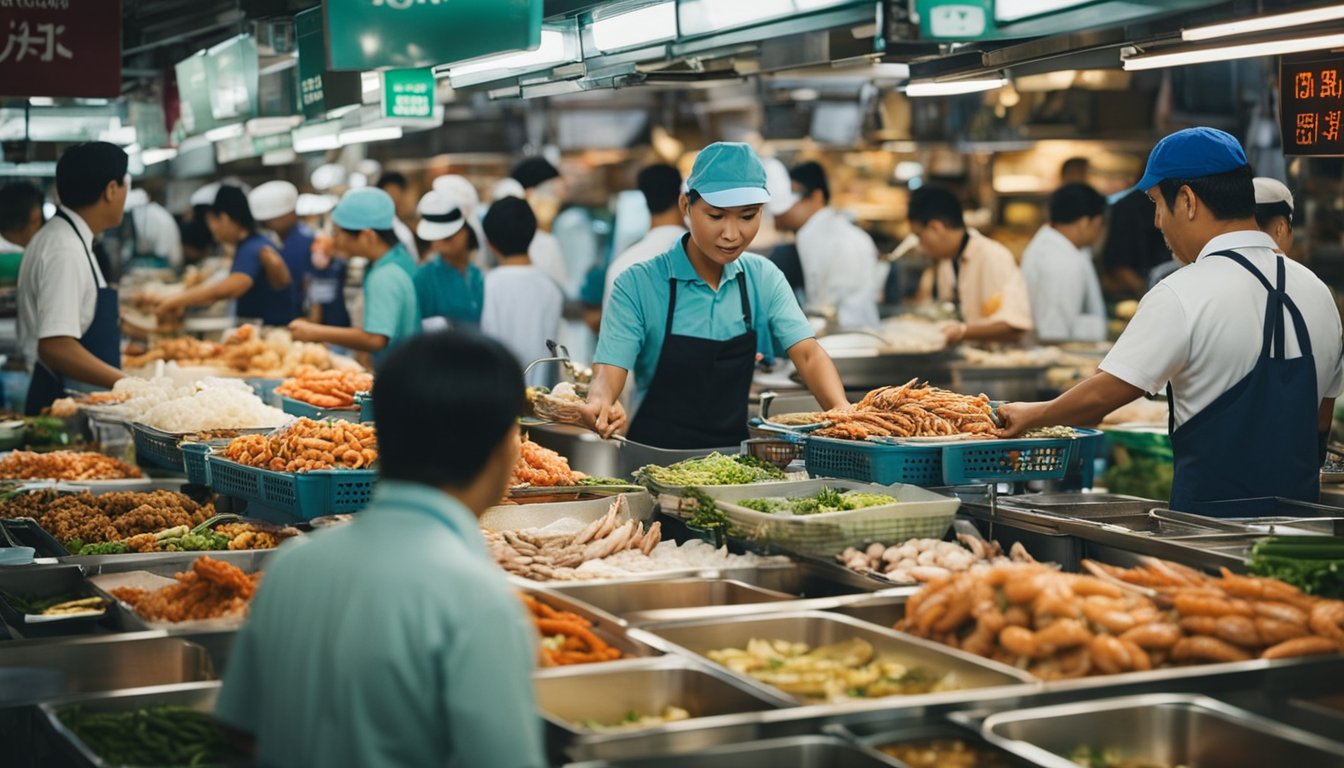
x: 68, y: 48
x: 1311, y: 105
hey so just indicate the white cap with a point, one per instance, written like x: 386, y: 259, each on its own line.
x: 328, y: 176
x: 780, y: 186
x: 314, y: 205
x: 1269, y: 191
x: 136, y: 198
x: 205, y: 195
x: 461, y: 190
x: 273, y: 200
x: 440, y: 217
x: 507, y: 188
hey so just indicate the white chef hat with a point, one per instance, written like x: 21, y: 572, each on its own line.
x: 1269, y: 191
x: 780, y: 187
x: 273, y: 200
x: 205, y: 195
x: 314, y: 205
x: 507, y: 187
x: 328, y: 176
x: 440, y: 216
x: 461, y: 190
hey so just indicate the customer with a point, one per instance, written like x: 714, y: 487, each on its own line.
x: 970, y: 270
x: 545, y: 249
x: 275, y: 207
x: 69, y: 321
x: 259, y: 279
x: 661, y: 186
x: 451, y: 289
x: 522, y: 303
x: 1066, y: 303
x: 394, y: 640
x: 363, y: 227
x: 396, y: 186
x: 20, y: 215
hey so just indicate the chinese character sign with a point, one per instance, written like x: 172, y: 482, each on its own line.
x: 68, y: 48
x: 1311, y: 96
x: 374, y: 34
x: 408, y: 93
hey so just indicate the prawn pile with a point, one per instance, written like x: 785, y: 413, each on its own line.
x: 326, y: 389
x: 1060, y: 625
x: 542, y: 467
x: 566, y: 638
x: 533, y: 554
x: 307, y: 445
x: 911, y: 411
x: 211, y: 589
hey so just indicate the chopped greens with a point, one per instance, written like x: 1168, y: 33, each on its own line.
x: 826, y: 500
x: 714, y: 469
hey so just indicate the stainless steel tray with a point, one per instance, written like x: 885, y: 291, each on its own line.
x: 793, y: 752
x: 32, y: 671
x: 1169, y: 729
x: 605, y: 627
x: 1082, y: 505
x: 815, y: 628
x: 644, y: 602
x: 875, y: 735
x: 49, y: 582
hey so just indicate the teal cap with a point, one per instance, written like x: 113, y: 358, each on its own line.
x: 365, y: 208
x: 729, y: 175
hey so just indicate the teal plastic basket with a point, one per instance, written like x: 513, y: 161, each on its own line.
x: 157, y: 450
x: 299, y: 408
x: 1005, y: 461
x: 194, y: 464
x: 1083, y: 450
x: 873, y: 462
x: 304, y: 495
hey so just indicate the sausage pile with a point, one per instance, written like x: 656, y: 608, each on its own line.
x: 326, y: 389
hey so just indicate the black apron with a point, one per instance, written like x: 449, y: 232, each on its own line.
x: 1258, y: 439
x: 102, y: 339
x: 698, y: 396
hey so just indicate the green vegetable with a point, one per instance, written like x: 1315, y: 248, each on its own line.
x: 164, y: 735
x: 602, y: 481
x: 1310, y: 563
x: 1142, y: 476
x: 714, y: 469
x: 34, y: 606
x: 767, y: 506
x: 101, y: 548
x: 826, y: 500
x: 704, y: 513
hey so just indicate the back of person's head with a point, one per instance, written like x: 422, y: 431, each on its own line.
x: 532, y: 172
x: 438, y: 384
x: 510, y: 226
x: 1072, y: 202
x: 85, y: 170
x: 811, y: 177
x: 932, y: 203
x: 1273, y: 199
x: 231, y: 201
x: 661, y: 185
x: 392, y: 179
x: 17, y: 201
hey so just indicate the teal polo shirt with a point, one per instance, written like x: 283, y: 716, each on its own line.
x: 444, y: 291
x: 391, y: 308
x: 635, y: 320
x: 391, y: 641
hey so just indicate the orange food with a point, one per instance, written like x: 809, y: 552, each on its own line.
x: 911, y: 411
x: 307, y: 445
x: 567, y: 638
x: 64, y: 465
x: 326, y: 389
x: 211, y: 589
x: 542, y: 467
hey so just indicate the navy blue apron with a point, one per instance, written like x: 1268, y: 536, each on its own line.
x: 102, y: 339
x: 698, y: 396
x: 1258, y: 440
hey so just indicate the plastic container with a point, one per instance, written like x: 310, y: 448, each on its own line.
x: 194, y: 465
x: 299, y: 408
x: 1087, y: 443
x: 1005, y: 461
x: 163, y: 450
x: 304, y: 495
x: 874, y: 462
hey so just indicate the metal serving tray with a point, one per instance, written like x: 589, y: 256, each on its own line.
x: 644, y: 602
x: 605, y: 627
x: 45, y: 582
x: 875, y: 735
x: 198, y: 696
x: 794, y: 752
x: 1082, y: 505
x: 33, y: 671
x: 815, y: 628
x: 606, y: 694
x: 1166, y: 729
x: 883, y: 609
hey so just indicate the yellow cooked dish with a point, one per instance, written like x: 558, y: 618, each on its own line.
x: 849, y: 670
x: 634, y: 720
x: 945, y: 753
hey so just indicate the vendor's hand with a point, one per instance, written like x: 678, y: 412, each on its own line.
x: 1017, y: 418
x: 954, y: 333
x: 169, y: 310
x: 304, y: 330
x: 605, y: 420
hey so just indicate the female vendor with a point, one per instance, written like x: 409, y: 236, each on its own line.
x: 259, y: 280
x: 690, y: 323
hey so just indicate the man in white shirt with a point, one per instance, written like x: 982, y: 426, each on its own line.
x: 523, y: 305
x: 1062, y: 283
x: 661, y: 186
x: 69, y: 322
x: 544, y: 250
x: 839, y: 260
x: 1247, y: 343
x: 154, y: 239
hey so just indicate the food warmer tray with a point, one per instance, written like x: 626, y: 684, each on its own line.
x: 796, y: 752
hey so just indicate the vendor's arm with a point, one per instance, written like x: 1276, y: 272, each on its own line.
x: 603, y: 413
x: 819, y: 374
x: 66, y: 357
x: 618, y: 348
x: 1004, y: 306
x: 1084, y: 405
x: 352, y: 338
x: 232, y: 286
x: 995, y: 330
x: 274, y: 269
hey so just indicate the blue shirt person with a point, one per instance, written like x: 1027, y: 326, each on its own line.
x: 274, y: 205
x: 449, y: 287
x: 351, y: 658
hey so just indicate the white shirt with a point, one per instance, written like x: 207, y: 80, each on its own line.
x: 988, y: 285
x: 1062, y: 284
x: 839, y: 263
x: 656, y: 242
x: 1201, y: 328
x: 545, y: 253
x: 522, y: 311
x: 57, y: 287
x: 156, y: 232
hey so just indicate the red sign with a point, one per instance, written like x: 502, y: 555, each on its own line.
x: 60, y: 48
x: 1311, y: 105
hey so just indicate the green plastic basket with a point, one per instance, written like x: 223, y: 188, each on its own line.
x: 1005, y: 461
x: 299, y: 408
x: 194, y: 464
x: 874, y: 462
x: 304, y: 495
x: 159, y: 450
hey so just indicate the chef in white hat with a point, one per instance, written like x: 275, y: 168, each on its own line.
x: 275, y: 207
x: 1274, y: 211
x: 469, y: 200
x: 451, y: 289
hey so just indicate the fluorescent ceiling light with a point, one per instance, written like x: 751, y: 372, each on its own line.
x: 317, y: 138
x: 953, y: 87
x: 41, y: 101
x: 1229, y: 52
x: 1265, y: 23
x: 650, y: 24
x: 1024, y: 9
x: 223, y: 132
x: 269, y: 126
x: 155, y: 156
x: 279, y: 157
x: 549, y: 53
x: 364, y: 135
x: 370, y: 82
x: 722, y: 15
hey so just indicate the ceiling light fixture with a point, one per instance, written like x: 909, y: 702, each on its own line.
x: 223, y: 132
x: 1264, y: 23
x: 155, y: 156
x: 1138, y: 61
x: 642, y: 26
x: 549, y: 53
x: 365, y: 135
x: 953, y: 87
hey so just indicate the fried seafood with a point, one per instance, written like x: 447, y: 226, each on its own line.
x: 538, y: 466
x: 911, y: 411
x: 566, y: 638
x: 307, y: 445
x: 245, y: 353
x: 64, y: 465
x: 211, y: 589
x: 554, y: 557
x: 326, y: 389
x: 107, y: 517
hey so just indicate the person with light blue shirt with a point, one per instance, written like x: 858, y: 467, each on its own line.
x: 450, y: 288
x: 363, y: 227
x: 395, y: 640
x: 692, y: 322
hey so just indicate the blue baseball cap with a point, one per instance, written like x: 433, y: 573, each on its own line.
x: 729, y: 175
x: 1192, y: 154
x: 365, y: 208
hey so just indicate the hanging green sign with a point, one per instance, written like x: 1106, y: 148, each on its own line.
x: 408, y: 93
x: 312, y: 44
x: 195, y: 80
x: 955, y: 19
x: 375, y: 34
